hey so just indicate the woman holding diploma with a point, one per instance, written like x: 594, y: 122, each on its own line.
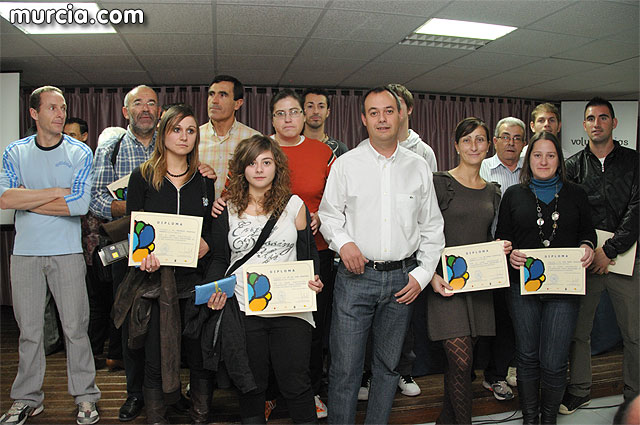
x: 544, y: 210
x: 469, y: 205
x: 169, y: 182
x: 259, y: 188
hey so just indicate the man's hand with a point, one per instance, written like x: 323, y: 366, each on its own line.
x: 600, y: 263
x: 587, y: 258
x: 352, y: 258
x: 315, y: 222
x: 203, y: 248
x: 207, y: 171
x: 410, y: 292
x: 438, y: 284
x: 218, y: 207
x: 118, y: 208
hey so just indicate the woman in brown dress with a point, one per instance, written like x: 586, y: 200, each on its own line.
x: 469, y: 205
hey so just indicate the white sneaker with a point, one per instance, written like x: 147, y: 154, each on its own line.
x: 87, y: 413
x: 408, y: 386
x: 512, y: 378
x: 19, y: 412
x: 321, y: 408
x: 363, y: 392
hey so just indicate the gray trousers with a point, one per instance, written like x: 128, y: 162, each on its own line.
x: 64, y: 275
x: 624, y: 293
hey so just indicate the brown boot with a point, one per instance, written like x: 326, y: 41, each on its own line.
x: 155, y: 405
x: 201, y: 397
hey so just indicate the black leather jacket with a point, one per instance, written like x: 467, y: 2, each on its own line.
x: 612, y: 193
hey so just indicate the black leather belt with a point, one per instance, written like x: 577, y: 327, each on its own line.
x: 386, y: 266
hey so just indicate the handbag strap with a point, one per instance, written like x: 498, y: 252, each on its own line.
x: 264, y: 234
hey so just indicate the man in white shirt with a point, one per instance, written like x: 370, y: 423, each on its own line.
x: 504, y: 168
x: 380, y: 212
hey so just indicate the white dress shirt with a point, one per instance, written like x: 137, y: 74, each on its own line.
x: 386, y: 206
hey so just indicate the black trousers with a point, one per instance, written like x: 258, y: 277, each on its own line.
x: 282, y: 343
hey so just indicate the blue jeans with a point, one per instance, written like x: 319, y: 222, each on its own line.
x: 362, y: 303
x: 544, y: 326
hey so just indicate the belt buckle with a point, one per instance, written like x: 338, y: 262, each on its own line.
x: 380, y: 263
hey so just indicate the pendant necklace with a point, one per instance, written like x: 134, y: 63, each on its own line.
x: 555, y: 215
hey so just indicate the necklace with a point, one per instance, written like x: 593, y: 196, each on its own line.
x: 181, y: 174
x: 555, y: 215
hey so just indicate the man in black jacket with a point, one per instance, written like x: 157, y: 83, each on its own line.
x: 609, y: 174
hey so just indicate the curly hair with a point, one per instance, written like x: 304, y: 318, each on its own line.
x: 155, y: 168
x: 276, y: 198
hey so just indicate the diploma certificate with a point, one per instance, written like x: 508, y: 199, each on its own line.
x: 118, y: 189
x: 625, y: 261
x: 553, y: 271
x: 173, y: 238
x: 278, y: 288
x: 475, y: 267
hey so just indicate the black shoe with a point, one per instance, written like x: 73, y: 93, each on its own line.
x: 571, y: 403
x: 130, y: 409
x: 182, y: 405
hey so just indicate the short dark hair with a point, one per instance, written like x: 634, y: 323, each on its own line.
x: 81, y: 123
x: 526, y: 175
x: 379, y: 89
x: 282, y: 94
x: 468, y: 126
x: 238, y: 88
x: 404, y: 93
x: 34, y: 98
x: 319, y: 92
x: 598, y: 101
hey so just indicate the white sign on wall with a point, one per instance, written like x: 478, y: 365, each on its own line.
x: 9, y: 121
x: 574, y: 138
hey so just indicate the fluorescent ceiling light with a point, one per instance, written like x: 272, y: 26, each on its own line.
x: 54, y: 18
x: 464, y: 29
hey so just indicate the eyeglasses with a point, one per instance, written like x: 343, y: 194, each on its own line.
x: 139, y: 103
x: 507, y: 138
x: 293, y: 113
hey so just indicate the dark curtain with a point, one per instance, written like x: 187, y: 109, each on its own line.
x: 434, y: 116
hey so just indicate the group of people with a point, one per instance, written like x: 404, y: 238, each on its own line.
x: 299, y: 194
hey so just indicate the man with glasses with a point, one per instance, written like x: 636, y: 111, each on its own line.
x: 504, y: 168
x: 222, y: 133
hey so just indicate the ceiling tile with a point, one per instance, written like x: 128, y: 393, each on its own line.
x: 101, y: 63
x: 83, y: 44
x: 250, y: 77
x: 514, y: 13
x: 254, y: 63
x: 459, y: 74
x: 40, y: 64
x: 384, y: 73
x: 17, y: 45
x: 7, y: 28
x: 425, y: 83
x: 175, y: 76
x: 293, y: 3
x: 250, y: 20
x: 402, y: 7
x: 257, y: 45
x: 340, y: 66
x: 185, y: 17
x: 371, y: 27
x: 430, y: 56
x: 481, y: 59
x: 344, y: 49
x: 558, y: 67
x: 503, y: 83
x: 603, y: 18
x: 59, y: 79
x: 312, y: 78
x: 176, y: 62
x: 182, y: 44
x: 534, y: 43
x: 627, y: 36
x: 602, y: 51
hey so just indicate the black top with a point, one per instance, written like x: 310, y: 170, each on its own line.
x: 518, y: 216
x: 195, y: 198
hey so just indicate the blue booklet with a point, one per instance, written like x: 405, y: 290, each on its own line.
x: 204, y: 292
